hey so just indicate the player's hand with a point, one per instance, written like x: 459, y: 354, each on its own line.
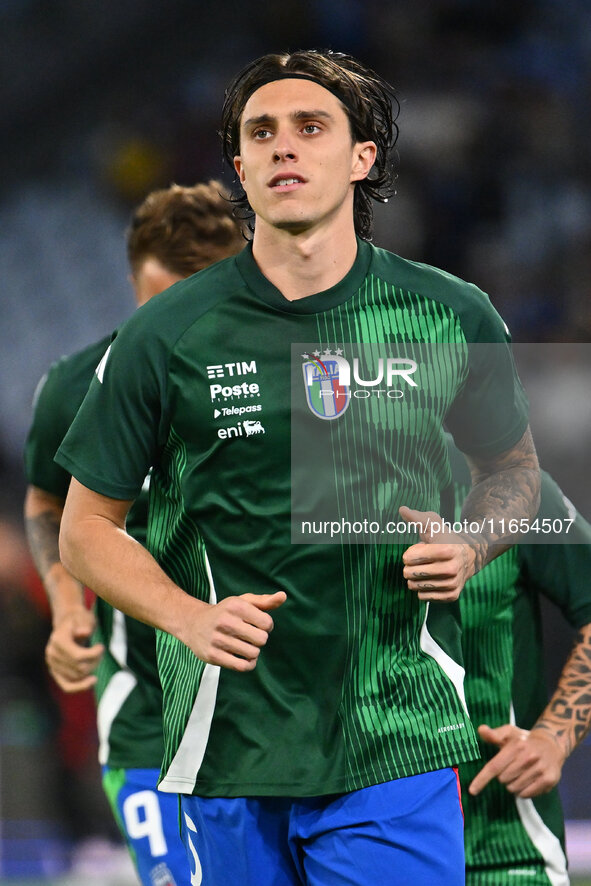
x: 232, y: 633
x: 70, y: 660
x: 528, y: 762
x: 438, y: 566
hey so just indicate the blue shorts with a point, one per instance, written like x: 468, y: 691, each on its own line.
x: 149, y: 821
x: 407, y: 832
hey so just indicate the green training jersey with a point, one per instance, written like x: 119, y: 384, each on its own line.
x: 128, y: 692
x: 360, y: 682
x: 510, y: 839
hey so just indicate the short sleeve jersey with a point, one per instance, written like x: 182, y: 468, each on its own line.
x: 360, y: 682
x: 128, y: 690
x: 503, y: 653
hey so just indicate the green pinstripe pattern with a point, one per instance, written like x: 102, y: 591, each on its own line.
x: 383, y: 725
x: 344, y: 693
x: 176, y: 543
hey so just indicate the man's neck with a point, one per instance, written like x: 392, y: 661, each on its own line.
x: 304, y: 264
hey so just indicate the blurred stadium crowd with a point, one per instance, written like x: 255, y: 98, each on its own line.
x: 100, y: 103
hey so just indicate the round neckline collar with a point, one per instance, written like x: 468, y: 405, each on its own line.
x: 309, y: 304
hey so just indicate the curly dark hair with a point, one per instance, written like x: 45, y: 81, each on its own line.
x: 185, y: 228
x: 370, y: 104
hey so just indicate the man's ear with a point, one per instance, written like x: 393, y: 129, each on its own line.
x: 364, y: 157
x: 239, y: 169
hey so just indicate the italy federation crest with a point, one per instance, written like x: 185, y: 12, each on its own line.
x: 326, y: 396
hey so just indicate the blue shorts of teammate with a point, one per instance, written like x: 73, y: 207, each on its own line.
x: 407, y: 832
x: 149, y: 822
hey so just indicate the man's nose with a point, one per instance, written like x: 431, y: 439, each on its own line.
x: 284, y: 149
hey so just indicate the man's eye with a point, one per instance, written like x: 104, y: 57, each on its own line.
x: 261, y: 133
x: 311, y: 128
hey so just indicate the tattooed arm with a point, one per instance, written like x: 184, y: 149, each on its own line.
x: 505, y: 488
x: 68, y: 658
x: 530, y: 762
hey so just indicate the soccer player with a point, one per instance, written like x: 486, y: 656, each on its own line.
x: 173, y: 233
x: 313, y: 704
x: 514, y: 821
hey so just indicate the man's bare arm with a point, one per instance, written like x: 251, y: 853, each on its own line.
x: 530, y: 762
x: 95, y: 547
x: 505, y: 488
x: 567, y: 717
x: 69, y: 659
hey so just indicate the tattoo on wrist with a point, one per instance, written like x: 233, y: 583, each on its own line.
x: 568, y: 714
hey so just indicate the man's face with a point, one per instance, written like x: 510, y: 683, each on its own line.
x: 297, y: 161
x: 151, y: 278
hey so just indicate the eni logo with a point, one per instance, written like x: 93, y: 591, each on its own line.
x: 244, y: 428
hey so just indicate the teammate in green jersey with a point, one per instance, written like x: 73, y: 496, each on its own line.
x: 173, y: 233
x: 514, y: 821
x: 314, y: 745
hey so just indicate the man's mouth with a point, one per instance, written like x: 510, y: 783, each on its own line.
x: 286, y: 181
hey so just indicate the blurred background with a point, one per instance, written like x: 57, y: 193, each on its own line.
x: 102, y: 102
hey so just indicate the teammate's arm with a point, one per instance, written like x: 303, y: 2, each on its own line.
x: 530, y: 762
x: 95, y: 547
x: 69, y: 659
x: 505, y: 488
